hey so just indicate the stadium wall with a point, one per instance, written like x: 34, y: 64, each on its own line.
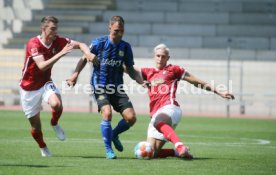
x: 252, y: 82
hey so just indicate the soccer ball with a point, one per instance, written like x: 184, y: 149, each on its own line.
x: 143, y: 150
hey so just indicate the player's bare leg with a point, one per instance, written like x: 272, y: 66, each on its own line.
x: 129, y: 116
x: 57, y: 108
x: 38, y: 135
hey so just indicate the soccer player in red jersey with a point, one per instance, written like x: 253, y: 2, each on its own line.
x: 42, y: 52
x: 164, y: 109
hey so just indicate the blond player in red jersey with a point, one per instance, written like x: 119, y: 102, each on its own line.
x: 165, y: 112
x: 42, y: 52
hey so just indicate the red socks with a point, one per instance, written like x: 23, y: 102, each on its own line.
x: 163, y: 153
x: 55, y: 116
x: 38, y: 136
x: 168, y: 132
x: 171, y: 136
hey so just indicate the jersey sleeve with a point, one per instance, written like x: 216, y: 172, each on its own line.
x: 144, y: 72
x: 128, y: 59
x: 33, y: 49
x: 63, y: 41
x: 179, y: 72
x: 94, y: 46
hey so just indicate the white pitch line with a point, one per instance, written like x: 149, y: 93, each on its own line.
x: 245, y: 142
x: 259, y: 141
x: 264, y: 142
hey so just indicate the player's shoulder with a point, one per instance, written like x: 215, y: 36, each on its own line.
x: 147, y: 69
x: 173, y: 67
x: 33, y: 40
x: 125, y: 43
x: 62, y: 39
x: 176, y: 70
x: 101, y: 39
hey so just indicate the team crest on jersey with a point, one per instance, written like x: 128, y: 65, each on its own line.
x: 54, y: 51
x: 121, y: 53
x: 101, y: 97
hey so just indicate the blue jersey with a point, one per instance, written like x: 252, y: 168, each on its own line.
x: 112, y: 56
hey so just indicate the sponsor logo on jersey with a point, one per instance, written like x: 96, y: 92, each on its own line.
x: 34, y: 51
x: 157, y: 81
x: 101, y: 97
x: 54, y: 51
x: 113, y: 63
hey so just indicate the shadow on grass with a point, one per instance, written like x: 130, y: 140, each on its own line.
x: 199, y: 158
x: 29, y: 166
x: 121, y: 158
x: 93, y: 157
x: 133, y: 158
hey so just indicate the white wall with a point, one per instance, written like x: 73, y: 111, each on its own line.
x: 258, y: 85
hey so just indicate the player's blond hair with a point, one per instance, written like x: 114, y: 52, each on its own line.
x: 163, y: 47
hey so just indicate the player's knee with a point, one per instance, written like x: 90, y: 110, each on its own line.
x: 106, y: 114
x: 158, y: 125
x: 162, y: 118
x: 129, y: 116
x: 56, y: 105
x: 132, y: 121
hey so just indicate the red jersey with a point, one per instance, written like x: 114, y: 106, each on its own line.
x: 163, y: 85
x: 32, y: 77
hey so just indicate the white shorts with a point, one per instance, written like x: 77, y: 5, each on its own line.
x: 173, y: 111
x: 31, y: 100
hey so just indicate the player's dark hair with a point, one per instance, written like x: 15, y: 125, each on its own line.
x: 45, y: 20
x: 115, y: 19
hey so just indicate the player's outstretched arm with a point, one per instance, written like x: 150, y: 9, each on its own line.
x: 203, y: 85
x: 134, y: 74
x: 44, y: 65
x: 86, y: 51
x: 72, y: 80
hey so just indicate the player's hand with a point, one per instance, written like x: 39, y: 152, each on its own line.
x: 70, y: 83
x: 227, y: 95
x: 93, y: 58
x: 146, y: 84
x: 72, y: 80
x: 67, y: 48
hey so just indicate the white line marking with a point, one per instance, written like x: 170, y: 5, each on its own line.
x: 241, y: 142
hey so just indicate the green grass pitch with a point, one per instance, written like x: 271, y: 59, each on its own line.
x: 220, y: 146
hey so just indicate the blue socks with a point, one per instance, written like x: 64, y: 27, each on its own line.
x: 121, y: 127
x: 106, y: 130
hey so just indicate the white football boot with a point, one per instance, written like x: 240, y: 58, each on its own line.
x: 45, y: 152
x: 59, y: 132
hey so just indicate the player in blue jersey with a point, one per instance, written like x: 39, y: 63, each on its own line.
x: 114, y: 55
